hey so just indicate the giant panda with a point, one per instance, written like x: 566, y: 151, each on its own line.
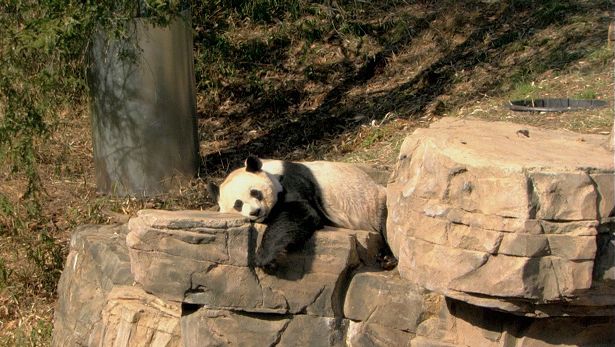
x: 296, y: 198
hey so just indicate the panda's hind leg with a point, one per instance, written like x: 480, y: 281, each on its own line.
x: 287, y: 230
x: 386, y: 259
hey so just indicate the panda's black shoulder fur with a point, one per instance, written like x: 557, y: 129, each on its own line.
x: 297, y: 214
x: 294, y: 218
x: 288, y: 228
x: 298, y: 183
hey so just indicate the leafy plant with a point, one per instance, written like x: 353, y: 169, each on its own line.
x: 44, y: 49
x: 5, y: 274
x: 524, y: 90
x: 43, y: 58
x: 48, y: 256
x: 587, y: 94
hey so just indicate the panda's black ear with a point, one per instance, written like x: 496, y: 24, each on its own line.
x: 253, y: 164
x: 214, y: 191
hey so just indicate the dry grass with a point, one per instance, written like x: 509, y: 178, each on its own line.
x: 342, y: 82
x: 597, y: 121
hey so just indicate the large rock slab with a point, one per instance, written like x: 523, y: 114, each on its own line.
x: 132, y: 317
x: 100, y: 305
x: 383, y: 298
x: 483, y: 213
x: 466, y: 162
x: 461, y: 324
x: 206, y: 327
x: 97, y: 261
x: 167, y: 250
x: 384, y: 309
x: 97, y: 302
x: 205, y: 258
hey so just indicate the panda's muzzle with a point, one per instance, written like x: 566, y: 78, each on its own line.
x: 255, y: 213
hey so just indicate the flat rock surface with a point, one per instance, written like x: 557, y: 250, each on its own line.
x: 480, y: 143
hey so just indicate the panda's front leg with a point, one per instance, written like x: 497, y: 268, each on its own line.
x: 290, y: 228
x: 276, y: 238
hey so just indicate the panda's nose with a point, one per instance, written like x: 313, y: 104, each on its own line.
x: 256, y: 212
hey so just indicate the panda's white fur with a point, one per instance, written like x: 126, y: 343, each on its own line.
x: 348, y: 196
x: 238, y: 186
x: 295, y: 199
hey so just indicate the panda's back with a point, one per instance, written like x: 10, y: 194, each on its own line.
x: 346, y: 195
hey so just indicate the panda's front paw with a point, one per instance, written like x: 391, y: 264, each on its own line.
x: 387, y: 260
x: 269, y: 267
x: 265, y: 261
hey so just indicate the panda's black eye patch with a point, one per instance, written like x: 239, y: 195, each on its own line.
x: 238, y: 205
x: 257, y: 194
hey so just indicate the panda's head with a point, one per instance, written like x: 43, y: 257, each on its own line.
x: 249, y: 191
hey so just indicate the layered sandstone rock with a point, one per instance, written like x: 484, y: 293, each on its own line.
x: 484, y: 213
x: 174, y: 257
x: 492, y: 229
x: 400, y: 313
x: 98, y: 304
x: 132, y: 317
x: 204, y: 258
x: 209, y: 327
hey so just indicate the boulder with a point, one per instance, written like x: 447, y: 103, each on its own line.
x: 480, y: 212
x: 167, y: 249
x: 502, y: 239
x: 100, y: 305
x: 205, y: 258
x: 208, y: 327
x: 97, y: 261
x: 384, y: 299
x: 97, y: 302
x: 385, y: 309
x: 132, y: 317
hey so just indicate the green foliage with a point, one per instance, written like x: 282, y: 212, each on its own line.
x: 373, y: 137
x: 43, y: 48
x: 48, y: 257
x: 587, y: 94
x: 524, y: 90
x: 5, y: 274
x: 603, y: 56
x: 39, y: 336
